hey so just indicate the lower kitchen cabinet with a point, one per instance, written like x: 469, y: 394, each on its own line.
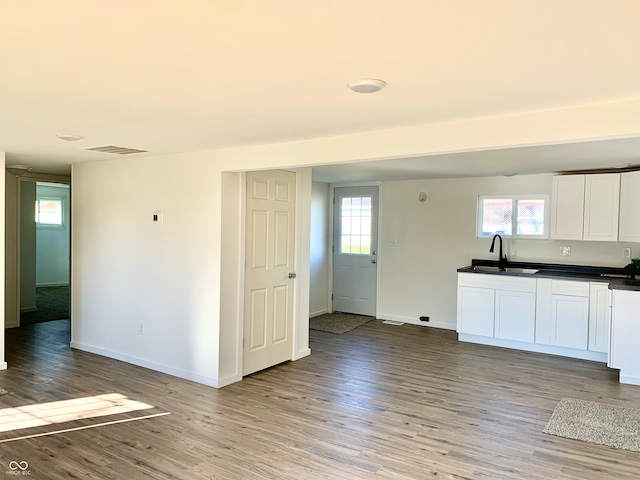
x: 599, y: 317
x: 515, y: 315
x: 476, y: 311
x: 547, y: 315
x: 625, y: 331
x: 569, y: 321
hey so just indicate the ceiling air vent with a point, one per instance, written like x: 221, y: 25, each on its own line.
x: 118, y: 150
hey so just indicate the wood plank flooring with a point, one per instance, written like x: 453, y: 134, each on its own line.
x: 382, y: 401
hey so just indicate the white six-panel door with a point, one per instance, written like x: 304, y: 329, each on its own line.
x: 270, y: 255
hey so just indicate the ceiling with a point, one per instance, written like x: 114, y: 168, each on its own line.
x: 170, y: 77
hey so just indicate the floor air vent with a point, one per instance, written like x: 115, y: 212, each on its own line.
x: 118, y: 150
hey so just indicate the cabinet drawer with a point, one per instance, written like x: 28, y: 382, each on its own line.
x: 567, y: 287
x: 511, y: 283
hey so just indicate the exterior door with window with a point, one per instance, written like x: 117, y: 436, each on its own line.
x: 355, y: 241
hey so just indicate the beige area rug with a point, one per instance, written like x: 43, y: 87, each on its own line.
x: 338, y: 322
x: 595, y: 422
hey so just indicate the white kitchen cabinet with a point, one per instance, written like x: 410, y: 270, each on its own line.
x: 599, y: 317
x: 515, y: 315
x: 476, y: 311
x: 562, y: 313
x: 569, y: 321
x: 601, y: 207
x: 567, y: 207
x: 585, y: 207
x: 496, y: 306
x: 625, y: 331
x: 629, y: 227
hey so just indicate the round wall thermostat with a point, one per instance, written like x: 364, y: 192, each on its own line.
x: 422, y: 197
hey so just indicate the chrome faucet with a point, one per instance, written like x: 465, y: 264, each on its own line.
x: 502, y: 260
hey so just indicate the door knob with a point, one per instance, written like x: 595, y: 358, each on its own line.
x: 373, y: 261
x: 292, y: 275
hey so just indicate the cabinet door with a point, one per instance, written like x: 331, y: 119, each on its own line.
x: 629, y: 228
x: 567, y: 207
x: 625, y: 333
x: 515, y: 316
x: 475, y: 311
x: 599, y: 317
x: 601, y: 206
x: 569, y: 321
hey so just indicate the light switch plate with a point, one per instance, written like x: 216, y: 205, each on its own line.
x: 565, y: 251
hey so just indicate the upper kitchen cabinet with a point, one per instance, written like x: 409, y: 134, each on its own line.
x: 629, y: 207
x: 601, y: 207
x: 585, y: 207
x: 567, y: 207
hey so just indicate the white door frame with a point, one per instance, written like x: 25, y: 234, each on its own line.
x: 379, y: 259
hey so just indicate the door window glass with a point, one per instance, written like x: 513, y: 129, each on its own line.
x: 355, y: 221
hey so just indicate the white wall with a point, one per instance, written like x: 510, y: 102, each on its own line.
x: 418, y: 277
x: 27, y: 247
x: 319, y: 259
x: 52, y: 242
x: 129, y: 271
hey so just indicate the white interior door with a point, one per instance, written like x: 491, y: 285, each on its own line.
x: 269, y: 273
x: 355, y: 241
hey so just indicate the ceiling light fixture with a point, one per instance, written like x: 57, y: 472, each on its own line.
x: 18, y: 170
x: 367, y: 85
x: 70, y: 137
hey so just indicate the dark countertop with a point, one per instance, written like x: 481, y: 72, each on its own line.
x: 567, y: 272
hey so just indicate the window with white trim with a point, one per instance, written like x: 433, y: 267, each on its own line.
x: 49, y: 211
x: 517, y: 216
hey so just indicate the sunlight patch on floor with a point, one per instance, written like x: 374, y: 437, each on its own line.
x: 28, y: 416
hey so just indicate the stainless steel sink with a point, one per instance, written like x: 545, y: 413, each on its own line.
x: 529, y: 271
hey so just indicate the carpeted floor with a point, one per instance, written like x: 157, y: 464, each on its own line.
x: 52, y: 304
x: 338, y: 322
x: 596, y: 422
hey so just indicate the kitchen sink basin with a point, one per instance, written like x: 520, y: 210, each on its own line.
x: 529, y: 271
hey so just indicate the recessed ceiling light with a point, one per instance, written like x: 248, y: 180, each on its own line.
x: 510, y: 174
x: 367, y: 85
x: 69, y: 137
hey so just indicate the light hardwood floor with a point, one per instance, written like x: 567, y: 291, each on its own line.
x: 382, y: 401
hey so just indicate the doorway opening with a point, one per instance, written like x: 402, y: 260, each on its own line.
x: 44, y: 246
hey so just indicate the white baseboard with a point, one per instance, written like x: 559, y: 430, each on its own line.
x: 223, y: 382
x: 176, y: 372
x: 629, y: 380
x: 534, y: 347
x: 318, y: 313
x: 54, y: 284
x: 3, y: 365
x: 301, y: 354
x: 415, y: 321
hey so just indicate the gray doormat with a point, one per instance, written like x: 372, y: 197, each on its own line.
x: 595, y: 422
x: 337, y: 322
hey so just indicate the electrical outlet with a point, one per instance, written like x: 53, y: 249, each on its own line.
x: 626, y: 252
x: 157, y: 218
x: 141, y: 328
x: 565, y: 251
x: 393, y: 243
